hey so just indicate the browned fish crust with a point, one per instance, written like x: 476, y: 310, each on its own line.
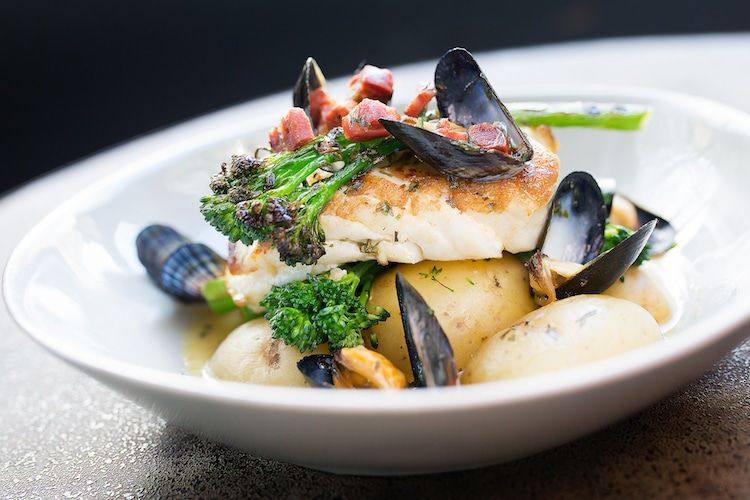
x: 414, y: 186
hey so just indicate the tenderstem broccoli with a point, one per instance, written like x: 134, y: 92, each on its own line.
x: 269, y: 200
x: 614, y: 234
x: 581, y: 114
x: 320, y: 310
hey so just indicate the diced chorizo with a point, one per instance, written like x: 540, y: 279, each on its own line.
x: 372, y: 83
x: 296, y: 129
x: 362, y: 123
x: 447, y: 128
x: 489, y: 136
x: 319, y: 101
x: 420, y: 101
x: 332, y: 115
x: 274, y: 140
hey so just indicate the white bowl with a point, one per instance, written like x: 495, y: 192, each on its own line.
x: 74, y: 283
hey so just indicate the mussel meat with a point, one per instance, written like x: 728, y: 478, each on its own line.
x: 429, y: 349
x: 179, y: 267
x: 351, y: 368
x: 466, y: 98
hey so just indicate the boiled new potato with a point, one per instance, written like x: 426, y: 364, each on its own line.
x: 565, y: 333
x: 250, y: 354
x: 472, y: 300
x: 643, y: 288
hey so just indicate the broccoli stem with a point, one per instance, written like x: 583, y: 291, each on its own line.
x: 581, y: 114
x: 367, y: 271
x: 217, y: 297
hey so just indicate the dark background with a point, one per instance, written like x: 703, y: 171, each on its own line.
x: 83, y: 75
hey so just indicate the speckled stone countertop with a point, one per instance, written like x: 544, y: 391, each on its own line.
x: 63, y: 435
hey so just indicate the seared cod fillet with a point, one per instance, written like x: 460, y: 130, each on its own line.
x: 407, y: 212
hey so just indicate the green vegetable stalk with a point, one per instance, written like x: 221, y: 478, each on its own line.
x: 581, y: 114
x: 320, y: 310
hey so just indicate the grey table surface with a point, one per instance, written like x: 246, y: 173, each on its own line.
x: 63, y: 435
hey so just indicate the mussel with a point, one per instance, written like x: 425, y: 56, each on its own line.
x: 179, y: 267
x: 310, y: 79
x: 351, y: 368
x: 575, y: 226
x: 569, y: 261
x: 317, y: 369
x: 466, y: 98
x: 603, y: 271
x: 624, y: 212
x: 430, y: 351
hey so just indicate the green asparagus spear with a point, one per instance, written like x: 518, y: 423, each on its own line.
x: 580, y: 114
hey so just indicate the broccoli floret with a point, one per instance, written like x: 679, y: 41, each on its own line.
x: 269, y: 200
x: 308, y: 313
x: 614, y: 234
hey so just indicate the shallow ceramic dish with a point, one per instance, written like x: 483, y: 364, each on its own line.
x: 74, y: 283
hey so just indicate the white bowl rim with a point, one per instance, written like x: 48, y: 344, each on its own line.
x: 507, y: 392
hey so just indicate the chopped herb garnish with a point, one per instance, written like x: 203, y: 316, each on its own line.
x: 369, y: 247
x: 353, y: 186
x: 384, y: 208
x: 413, y: 186
x: 433, y: 275
x: 469, y: 281
x: 560, y: 211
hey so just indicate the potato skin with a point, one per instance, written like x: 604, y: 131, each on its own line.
x: 641, y: 287
x: 565, y: 333
x: 471, y: 299
x: 249, y: 354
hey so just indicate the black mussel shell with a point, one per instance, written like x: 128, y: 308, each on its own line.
x: 317, y: 369
x: 664, y: 235
x: 430, y: 351
x: 155, y: 244
x: 310, y: 79
x: 360, y: 66
x: 451, y: 157
x: 465, y: 96
x: 575, y: 227
x: 602, y: 272
x: 176, y: 265
x: 187, y: 270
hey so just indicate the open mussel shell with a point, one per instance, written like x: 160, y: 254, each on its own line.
x: 451, y: 157
x: 176, y: 265
x: 465, y: 96
x: 664, y: 235
x: 430, y: 351
x: 603, y: 271
x: 311, y: 78
x: 317, y: 369
x: 575, y: 227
